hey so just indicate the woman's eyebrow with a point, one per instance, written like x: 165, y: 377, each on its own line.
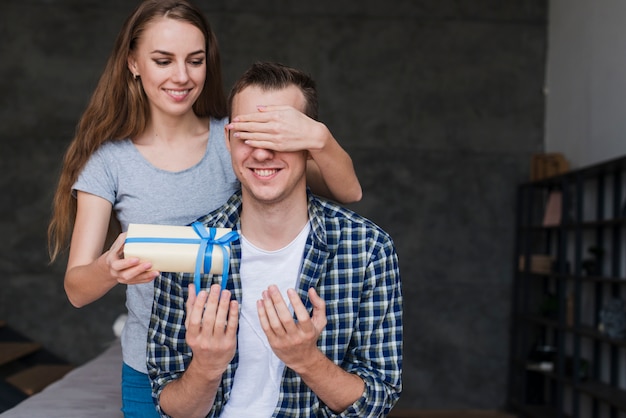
x: 158, y: 51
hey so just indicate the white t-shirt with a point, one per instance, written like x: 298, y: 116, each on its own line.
x: 256, y: 386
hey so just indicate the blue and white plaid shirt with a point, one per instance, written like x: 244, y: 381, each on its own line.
x: 353, y: 266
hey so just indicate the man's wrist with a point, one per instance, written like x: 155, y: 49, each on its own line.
x: 313, y: 364
x: 202, y: 375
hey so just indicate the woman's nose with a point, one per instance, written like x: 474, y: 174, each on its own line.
x: 180, y: 73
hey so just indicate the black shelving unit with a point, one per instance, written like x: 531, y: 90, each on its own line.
x: 562, y: 362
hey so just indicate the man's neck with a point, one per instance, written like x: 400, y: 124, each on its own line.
x: 272, y: 227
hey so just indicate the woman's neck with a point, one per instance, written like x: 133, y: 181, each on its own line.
x: 178, y: 129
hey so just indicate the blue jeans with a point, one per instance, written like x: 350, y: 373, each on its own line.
x: 137, y: 394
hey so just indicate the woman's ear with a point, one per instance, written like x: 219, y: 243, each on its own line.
x: 132, y: 66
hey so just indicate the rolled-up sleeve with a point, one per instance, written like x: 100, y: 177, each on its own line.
x: 168, y: 354
x: 376, y: 349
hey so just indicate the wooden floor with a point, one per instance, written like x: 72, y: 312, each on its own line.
x: 460, y: 413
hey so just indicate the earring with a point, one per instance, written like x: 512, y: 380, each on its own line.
x: 135, y: 76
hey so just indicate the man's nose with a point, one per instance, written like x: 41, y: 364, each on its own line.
x: 262, y: 154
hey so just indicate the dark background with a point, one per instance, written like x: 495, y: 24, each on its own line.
x: 439, y: 103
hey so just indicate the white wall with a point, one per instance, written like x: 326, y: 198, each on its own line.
x: 586, y: 80
x: 586, y: 93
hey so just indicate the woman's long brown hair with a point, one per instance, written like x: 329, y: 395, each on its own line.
x: 119, y: 108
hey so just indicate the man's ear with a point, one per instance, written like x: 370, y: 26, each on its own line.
x: 227, y: 137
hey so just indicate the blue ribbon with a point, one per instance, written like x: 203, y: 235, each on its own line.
x: 205, y: 251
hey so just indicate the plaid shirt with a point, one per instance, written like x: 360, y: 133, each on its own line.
x: 353, y: 265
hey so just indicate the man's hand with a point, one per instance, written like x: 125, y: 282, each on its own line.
x: 211, y: 331
x: 294, y: 342
x: 211, y: 322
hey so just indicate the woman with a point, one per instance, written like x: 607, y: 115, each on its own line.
x: 150, y: 148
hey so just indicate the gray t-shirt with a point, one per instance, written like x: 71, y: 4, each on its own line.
x: 142, y: 193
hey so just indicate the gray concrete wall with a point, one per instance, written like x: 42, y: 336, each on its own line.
x: 439, y: 102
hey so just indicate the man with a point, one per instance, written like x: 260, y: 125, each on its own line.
x: 311, y: 321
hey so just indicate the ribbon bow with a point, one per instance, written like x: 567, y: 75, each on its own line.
x: 205, y: 252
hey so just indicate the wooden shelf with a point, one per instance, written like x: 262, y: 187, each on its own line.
x: 602, y: 279
x: 36, y: 378
x: 537, y: 411
x: 448, y: 413
x: 578, y: 225
x: 10, y: 351
x: 548, y: 322
x: 590, y: 332
x: 26, y: 367
x: 592, y: 205
x: 597, y: 279
x: 604, y: 392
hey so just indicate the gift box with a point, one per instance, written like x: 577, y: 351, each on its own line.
x: 187, y: 249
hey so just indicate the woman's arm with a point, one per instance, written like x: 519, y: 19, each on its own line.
x: 330, y: 172
x: 91, y: 273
